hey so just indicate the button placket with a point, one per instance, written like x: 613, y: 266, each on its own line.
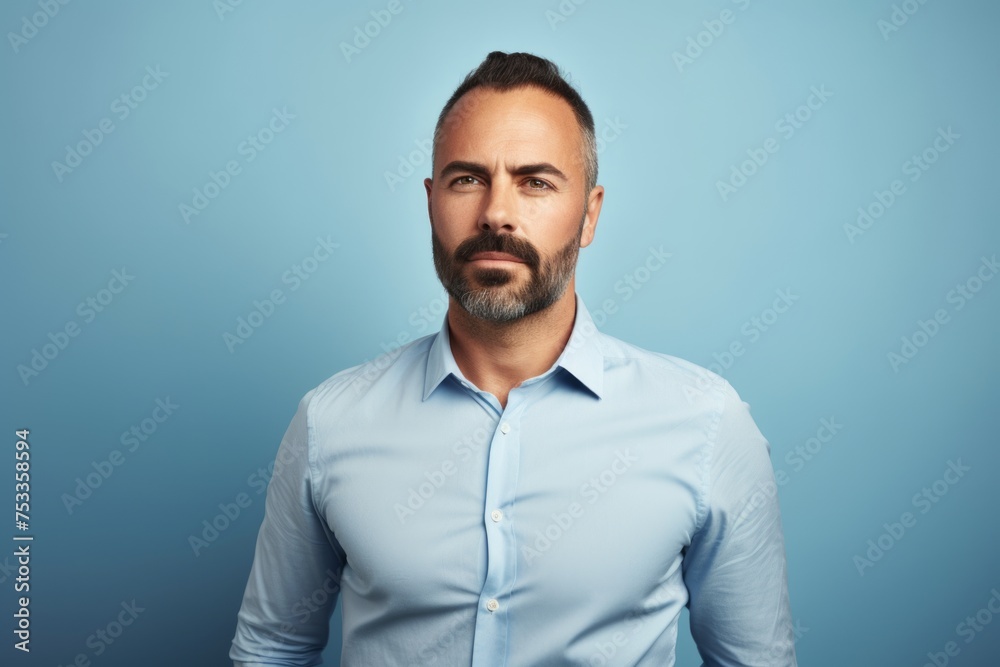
x: 501, y: 480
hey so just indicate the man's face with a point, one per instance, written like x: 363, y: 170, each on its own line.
x: 507, y: 204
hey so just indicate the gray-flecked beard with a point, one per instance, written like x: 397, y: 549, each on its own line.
x: 496, y: 300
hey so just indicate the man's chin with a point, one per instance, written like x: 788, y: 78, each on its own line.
x: 492, y: 304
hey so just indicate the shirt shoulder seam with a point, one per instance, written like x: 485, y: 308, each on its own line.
x: 310, y: 450
x: 708, y: 452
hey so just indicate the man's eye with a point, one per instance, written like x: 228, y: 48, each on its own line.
x: 537, y: 184
x: 466, y: 180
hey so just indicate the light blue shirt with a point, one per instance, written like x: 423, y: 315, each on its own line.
x: 568, y: 528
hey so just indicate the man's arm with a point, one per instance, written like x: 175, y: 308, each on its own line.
x: 295, y: 578
x: 735, y: 568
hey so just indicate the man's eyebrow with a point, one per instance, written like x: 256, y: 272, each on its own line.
x: 460, y: 166
x: 524, y: 170
x: 540, y: 168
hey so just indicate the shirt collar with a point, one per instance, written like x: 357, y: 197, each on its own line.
x: 582, y: 357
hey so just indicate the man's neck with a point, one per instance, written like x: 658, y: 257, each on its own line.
x: 498, y: 356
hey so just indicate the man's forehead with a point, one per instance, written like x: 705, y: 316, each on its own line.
x: 511, y: 128
x: 484, y: 101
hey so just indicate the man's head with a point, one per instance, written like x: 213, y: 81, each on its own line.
x: 508, y: 71
x: 515, y: 170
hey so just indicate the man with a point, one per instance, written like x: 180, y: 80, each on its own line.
x: 518, y: 489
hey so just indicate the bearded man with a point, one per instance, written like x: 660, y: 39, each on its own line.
x: 519, y: 488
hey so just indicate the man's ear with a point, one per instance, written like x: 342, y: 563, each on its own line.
x: 594, y: 202
x: 429, y: 185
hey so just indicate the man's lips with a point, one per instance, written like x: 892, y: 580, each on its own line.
x: 496, y: 256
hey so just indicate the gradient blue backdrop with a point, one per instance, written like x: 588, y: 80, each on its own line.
x: 674, y: 129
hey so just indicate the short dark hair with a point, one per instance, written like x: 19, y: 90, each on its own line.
x: 506, y: 71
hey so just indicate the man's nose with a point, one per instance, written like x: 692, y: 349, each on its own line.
x: 499, y: 208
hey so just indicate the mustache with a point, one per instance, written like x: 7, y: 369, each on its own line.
x: 505, y: 243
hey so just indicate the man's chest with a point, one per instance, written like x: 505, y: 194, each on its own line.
x: 542, y: 497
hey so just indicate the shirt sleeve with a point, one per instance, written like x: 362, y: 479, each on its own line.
x: 735, y: 568
x: 295, y: 578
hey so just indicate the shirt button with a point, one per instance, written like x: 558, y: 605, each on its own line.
x: 492, y: 605
x: 505, y: 428
x: 496, y: 515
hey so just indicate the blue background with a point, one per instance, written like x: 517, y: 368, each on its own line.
x: 682, y: 127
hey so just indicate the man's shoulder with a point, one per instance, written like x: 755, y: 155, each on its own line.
x: 665, y: 379
x: 392, y: 369
x: 659, y: 366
